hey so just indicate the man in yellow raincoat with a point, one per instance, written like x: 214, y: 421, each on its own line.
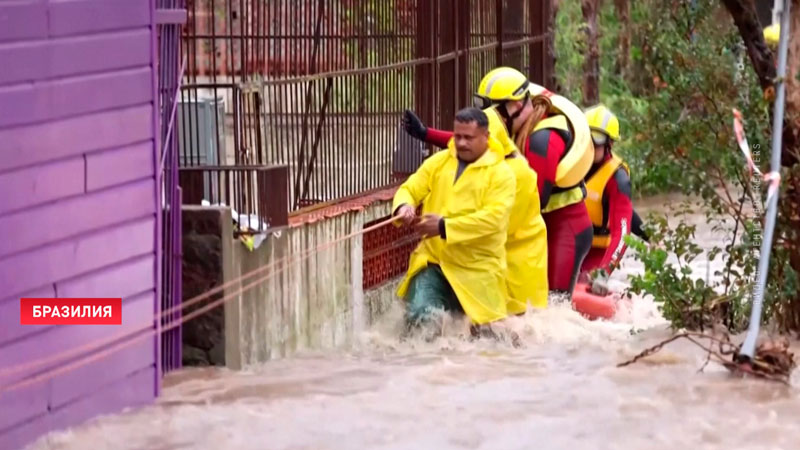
x: 526, y: 247
x: 466, y: 194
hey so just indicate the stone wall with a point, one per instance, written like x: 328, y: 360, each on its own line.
x: 205, y: 255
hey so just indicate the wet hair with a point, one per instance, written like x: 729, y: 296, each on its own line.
x: 472, y: 114
x: 540, y: 106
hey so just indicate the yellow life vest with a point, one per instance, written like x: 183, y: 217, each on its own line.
x: 579, y: 156
x: 561, y: 197
x: 595, y: 186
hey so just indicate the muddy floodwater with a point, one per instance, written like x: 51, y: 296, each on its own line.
x: 561, y: 390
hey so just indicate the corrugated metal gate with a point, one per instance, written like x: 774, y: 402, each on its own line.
x: 170, y: 14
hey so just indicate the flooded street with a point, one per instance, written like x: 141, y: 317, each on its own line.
x: 562, y: 390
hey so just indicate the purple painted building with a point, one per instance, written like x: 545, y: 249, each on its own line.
x: 79, y: 135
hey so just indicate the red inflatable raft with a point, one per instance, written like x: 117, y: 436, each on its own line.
x: 591, y: 305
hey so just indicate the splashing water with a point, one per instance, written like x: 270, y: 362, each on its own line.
x: 560, y: 390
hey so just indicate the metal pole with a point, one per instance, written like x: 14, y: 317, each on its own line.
x: 749, y: 345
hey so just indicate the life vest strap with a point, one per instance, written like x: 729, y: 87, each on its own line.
x: 596, y: 185
x: 601, y: 241
x: 565, y: 198
x: 560, y: 125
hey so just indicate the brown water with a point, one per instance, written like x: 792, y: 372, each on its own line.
x: 562, y: 390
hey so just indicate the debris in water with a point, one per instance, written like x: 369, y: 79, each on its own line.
x: 772, y: 361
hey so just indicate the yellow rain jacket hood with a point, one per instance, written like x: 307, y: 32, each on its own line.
x: 476, y: 209
x: 526, y: 249
x: 498, y: 131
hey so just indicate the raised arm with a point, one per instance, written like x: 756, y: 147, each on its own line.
x: 416, y: 129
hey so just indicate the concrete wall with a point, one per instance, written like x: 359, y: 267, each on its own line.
x: 309, y: 299
x: 77, y: 199
x: 302, y: 292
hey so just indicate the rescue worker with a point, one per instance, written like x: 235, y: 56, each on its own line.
x: 772, y: 35
x: 554, y: 137
x: 468, y: 192
x: 608, y: 199
x: 526, y: 246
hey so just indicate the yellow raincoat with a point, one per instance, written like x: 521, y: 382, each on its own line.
x: 476, y: 209
x: 526, y: 248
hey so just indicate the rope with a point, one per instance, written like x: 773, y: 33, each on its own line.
x: 146, y: 330
x: 774, y: 177
x: 741, y: 139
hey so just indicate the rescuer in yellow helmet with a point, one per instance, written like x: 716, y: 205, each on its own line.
x: 553, y: 135
x: 608, y: 199
x: 772, y: 35
x: 526, y: 246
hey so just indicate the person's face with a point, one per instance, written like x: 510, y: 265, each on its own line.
x: 600, y: 141
x: 471, y: 140
x: 524, y: 109
x: 599, y: 153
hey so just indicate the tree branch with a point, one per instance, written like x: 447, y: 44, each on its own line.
x: 744, y: 16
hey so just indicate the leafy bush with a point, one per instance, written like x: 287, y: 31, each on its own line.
x: 675, y: 107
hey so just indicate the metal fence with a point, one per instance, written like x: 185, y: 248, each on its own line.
x: 320, y: 85
x: 252, y: 192
x: 169, y: 18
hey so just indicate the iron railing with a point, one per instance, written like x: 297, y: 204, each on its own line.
x: 256, y: 194
x: 169, y: 17
x: 320, y: 85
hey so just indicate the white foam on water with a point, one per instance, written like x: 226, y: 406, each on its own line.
x: 560, y: 390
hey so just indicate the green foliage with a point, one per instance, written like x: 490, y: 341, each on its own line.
x: 688, y: 70
x: 724, y: 295
x: 686, y: 300
x: 675, y: 101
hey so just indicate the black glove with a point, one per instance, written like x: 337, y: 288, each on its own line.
x: 636, y: 228
x: 414, y: 126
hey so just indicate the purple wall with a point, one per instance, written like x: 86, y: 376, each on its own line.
x: 78, y: 197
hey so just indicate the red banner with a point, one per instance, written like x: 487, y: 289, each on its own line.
x: 70, y: 311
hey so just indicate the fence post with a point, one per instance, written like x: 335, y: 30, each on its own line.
x: 191, y: 181
x: 273, y: 191
x: 541, y: 62
x: 498, y: 16
x: 463, y: 32
x: 514, y: 29
x: 424, y: 74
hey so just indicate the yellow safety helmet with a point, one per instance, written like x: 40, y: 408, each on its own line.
x: 772, y: 34
x: 500, y: 85
x: 603, y: 123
